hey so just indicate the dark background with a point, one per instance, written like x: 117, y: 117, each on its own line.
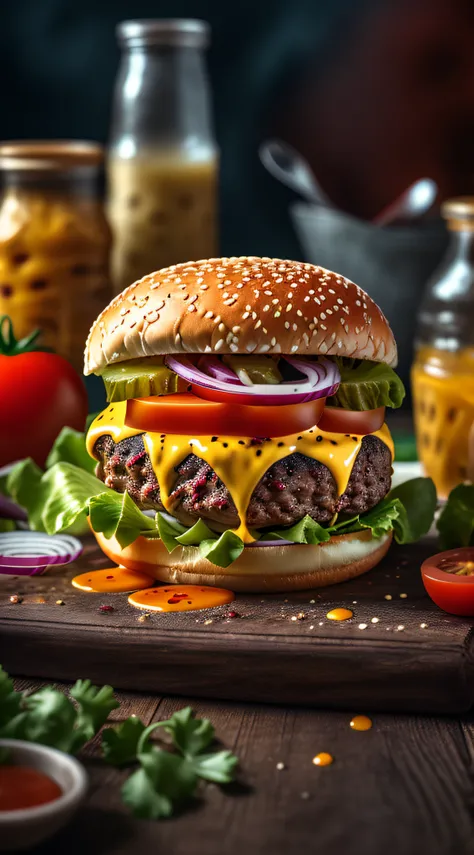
x: 375, y: 93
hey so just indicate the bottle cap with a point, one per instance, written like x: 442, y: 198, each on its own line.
x: 169, y: 32
x: 459, y: 213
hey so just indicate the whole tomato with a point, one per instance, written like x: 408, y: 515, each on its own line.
x: 40, y: 393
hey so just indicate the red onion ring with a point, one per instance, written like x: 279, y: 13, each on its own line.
x: 215, y: 368
x: 11, y: 511
x: 322, y: 380
x: 270, y: 543
x: 29, y: 553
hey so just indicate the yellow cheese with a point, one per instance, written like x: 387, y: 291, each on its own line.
x: 239, y: 464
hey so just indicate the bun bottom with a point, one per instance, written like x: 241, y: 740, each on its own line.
x: 257, y: 569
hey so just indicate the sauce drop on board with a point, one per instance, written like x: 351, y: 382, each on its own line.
x: 180, y: 598
x: 23, y: 787
x: 323, y: 759
x: 339, y: 614
x: 361, y: 722
x: 112, y: 580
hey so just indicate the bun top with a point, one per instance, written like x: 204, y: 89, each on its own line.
x: 240, y: 305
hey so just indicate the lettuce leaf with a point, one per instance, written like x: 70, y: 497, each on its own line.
x: 367, y: 385
x: 456, y: 521
x: 67, y: 493
x: 70, y: 447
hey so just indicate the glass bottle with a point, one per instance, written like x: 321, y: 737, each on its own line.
x: 443, y: 370
x: 163, y: 159
x: 54, y: 242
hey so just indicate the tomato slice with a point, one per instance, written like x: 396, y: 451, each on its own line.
x: 337, y: 420
x: 186, y: 413
x: 450, y: 591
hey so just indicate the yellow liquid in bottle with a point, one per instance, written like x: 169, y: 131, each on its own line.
x: 443, y: 397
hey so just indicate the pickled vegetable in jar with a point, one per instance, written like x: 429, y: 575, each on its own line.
x: 443, y: 370
x: 54, y: 242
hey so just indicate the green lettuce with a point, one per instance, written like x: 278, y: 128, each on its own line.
x: 367, y: 385
x: 27, y: 486
x: 456, y: 521
x: 66, y: 493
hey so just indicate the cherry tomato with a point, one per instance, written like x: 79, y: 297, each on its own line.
x: 451, y: 592
x: 337, y: 420
x: 40, y: 393
x: 183, y: 413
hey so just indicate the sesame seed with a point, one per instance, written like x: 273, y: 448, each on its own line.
x: 273, y: 342
x: 306, y: 299
x: 245, y: 316
x: 258, y: 324
x: 191, y: 308
x: 400, y: 627
x: 219, y: 344
x: 277, y: 314
x: 403, y: 596
x: 266, y: 308
x: 209, y: 315
x: 268, y: 293
x: 362, y: 626
x: 287, y: 325
x: 423, y: 625
x: 323, y: 327
x: 294, y: 348
x: 323, y: 316
x: 295, y: 327
x: 289, y: 307
x: 235, y: 329
x: 387, y: 597
x: 221, y: 327
x: 374, y: 620
x: 280, y: 766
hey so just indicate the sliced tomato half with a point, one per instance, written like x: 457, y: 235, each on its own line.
x: 449, y: 580
x: 337, y: 420
x: 186, y: 414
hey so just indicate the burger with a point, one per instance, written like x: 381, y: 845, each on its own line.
x: 244, y: 444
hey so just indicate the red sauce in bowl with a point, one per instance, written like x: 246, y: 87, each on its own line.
x: 23, y: 787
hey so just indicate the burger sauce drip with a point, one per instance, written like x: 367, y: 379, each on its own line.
x: 361, y: 722
x: 180, y: 598
x: 340, y: 614
x: 113, y: 580
x: 239, y: 472
x: 23, y: 787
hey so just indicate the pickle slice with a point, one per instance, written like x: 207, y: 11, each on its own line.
x: 254, y: 369
x: 139, y: 378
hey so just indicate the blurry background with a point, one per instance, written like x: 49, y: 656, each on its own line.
x: 375, y: 93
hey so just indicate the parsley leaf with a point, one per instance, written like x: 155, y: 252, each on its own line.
x: 94, y: 708
x: 218, y: 767
x: 190, y: 735
x: 120, y: 744
x: 141, y: 796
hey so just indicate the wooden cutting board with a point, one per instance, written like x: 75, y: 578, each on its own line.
x: 394, y: 654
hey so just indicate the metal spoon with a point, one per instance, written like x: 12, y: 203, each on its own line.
x: 413, y: 203
x: 287, y: 166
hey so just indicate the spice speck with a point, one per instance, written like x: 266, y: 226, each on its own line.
x: 362, y: 626
x: 280, y: 766
x: 16, y: 599
x: 388, y: 597
x: 106, y: 609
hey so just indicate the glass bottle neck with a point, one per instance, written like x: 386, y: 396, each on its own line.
x: 162, y: 102
x: 461, y: 246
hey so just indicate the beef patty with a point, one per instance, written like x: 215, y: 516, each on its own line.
x: 290, y: 489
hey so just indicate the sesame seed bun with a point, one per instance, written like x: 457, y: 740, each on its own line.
x: 240, y: 305
x: 261, y: 569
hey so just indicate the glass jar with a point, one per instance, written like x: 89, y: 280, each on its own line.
x: 443, y: 370
x: 163, y: 160
x: 54, y: 242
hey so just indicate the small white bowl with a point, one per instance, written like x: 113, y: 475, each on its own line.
x: 20, y: 829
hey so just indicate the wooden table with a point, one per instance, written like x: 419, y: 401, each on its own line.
x: 403, y: 788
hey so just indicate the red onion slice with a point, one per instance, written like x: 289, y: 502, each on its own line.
x: 28, y: 553
x: 11, y: 511
x: 212, y: 366
x: 322, y: 380
x: 270, y: 543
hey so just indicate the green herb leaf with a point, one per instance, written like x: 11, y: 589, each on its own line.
x: 170, y: 774
x: 218, y: 767
x: 25, y: 488
x: 367, y: 385
x: 224, y: 550
x: 120, y: 518
x: 141, y: 796
x: 120, y: 744
x: 95, y: 706
x: 70, y: 447
x: 418, y: 501
x: 456, y: 521
x: 10, y: 701
x: 306, y: 530
x: 190, y: 735
x: 50, y: 720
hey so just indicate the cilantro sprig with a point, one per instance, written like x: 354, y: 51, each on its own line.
x: 163, y: 779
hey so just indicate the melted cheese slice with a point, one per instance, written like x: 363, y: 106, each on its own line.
x: 239, y: 464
